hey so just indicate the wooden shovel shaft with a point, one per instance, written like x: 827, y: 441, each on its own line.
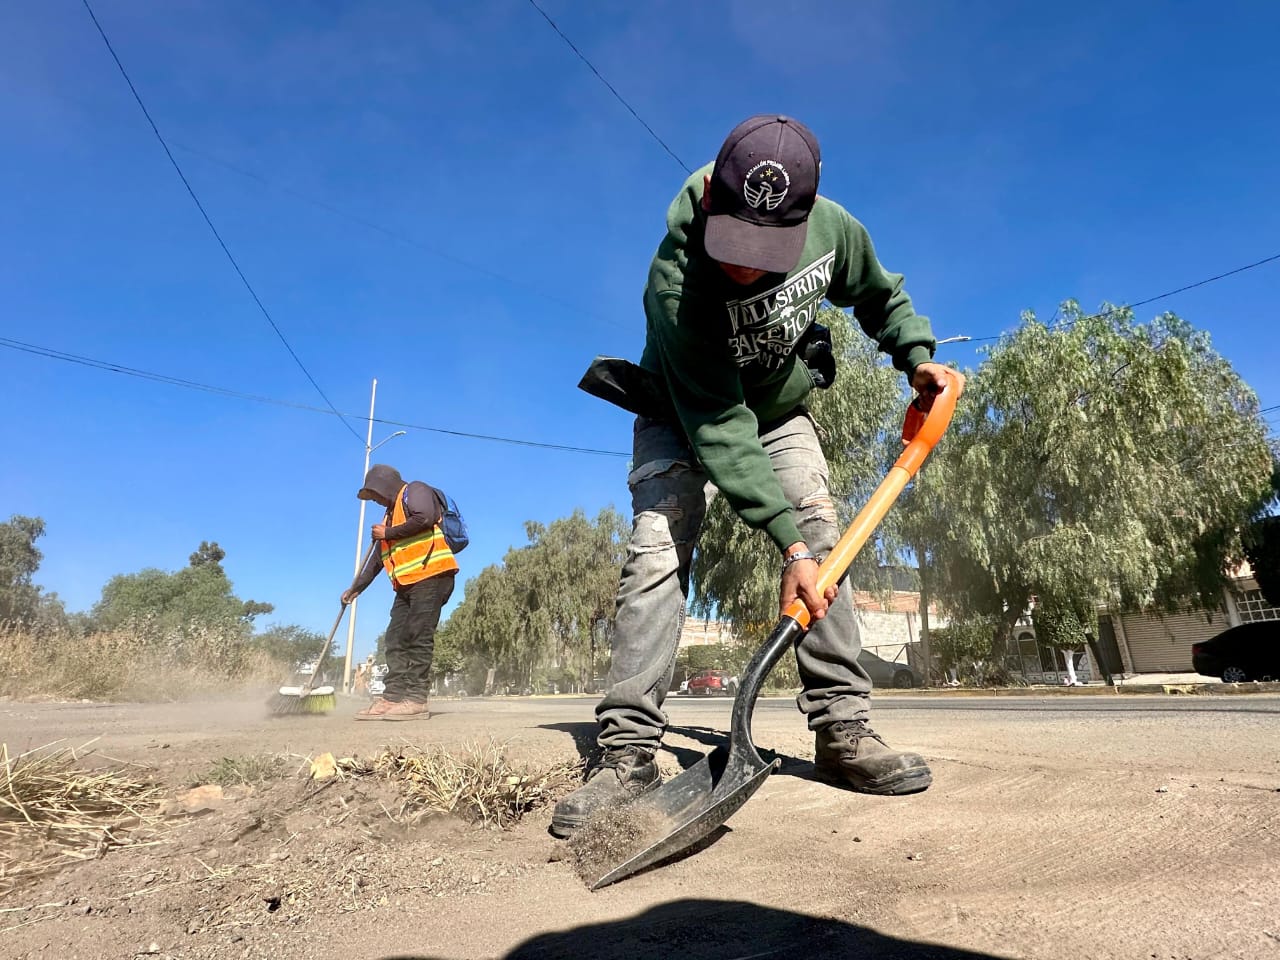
x: 922, y: 437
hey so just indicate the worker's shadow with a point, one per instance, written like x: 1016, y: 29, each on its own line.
x: 791, y: 766
x: 715, y: 929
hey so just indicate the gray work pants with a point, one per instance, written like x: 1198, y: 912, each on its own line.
x: 669, y: 497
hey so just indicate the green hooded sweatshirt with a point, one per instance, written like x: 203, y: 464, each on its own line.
x: 727, y: 352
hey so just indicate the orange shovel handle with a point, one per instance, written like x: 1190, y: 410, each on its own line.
x: 921, y: 433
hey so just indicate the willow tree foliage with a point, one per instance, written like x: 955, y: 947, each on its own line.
x: 1098, y: 460
x: 736, y: 570
x: 547, y: 610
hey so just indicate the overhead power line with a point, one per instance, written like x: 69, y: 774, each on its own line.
x: 111, y: 367
x: 590, y: 66
x: 1159, y: 296
x: 209, y: 222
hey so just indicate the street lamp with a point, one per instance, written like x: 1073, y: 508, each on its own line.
x: 369, y: 447
x: 960, y: 339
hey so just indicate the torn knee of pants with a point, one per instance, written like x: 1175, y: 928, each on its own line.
x: 816, y: 507
x: 656, y: 468
x: 652, y: 530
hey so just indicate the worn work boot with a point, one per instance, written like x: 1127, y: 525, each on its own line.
x: 375, y: 710
x: 406, y: 710
x: 851, y: 754
x: 622, y: 775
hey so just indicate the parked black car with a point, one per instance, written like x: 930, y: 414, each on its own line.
x: 1250, y: 651
x: 887, y: 673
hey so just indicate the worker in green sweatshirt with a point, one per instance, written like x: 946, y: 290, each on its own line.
x: 751, y: 252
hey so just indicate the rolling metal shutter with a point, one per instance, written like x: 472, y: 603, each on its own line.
x: 1163, y: 644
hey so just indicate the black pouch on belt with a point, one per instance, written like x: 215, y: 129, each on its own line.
x: 629, y: 386
x: 815, y: 353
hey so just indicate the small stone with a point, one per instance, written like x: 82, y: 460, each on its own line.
x: 154, y: 948
x: 1162, y: 789
x: 437, y: 861
x: 857, y: 839
x: 86, y: 909
x: 556, y: 854
x: 323, y: 767
x: 193, y: 927
x: 915, y: 856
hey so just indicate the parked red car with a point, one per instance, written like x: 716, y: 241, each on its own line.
x: 711, y: 682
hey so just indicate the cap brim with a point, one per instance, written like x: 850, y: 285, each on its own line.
x: 743, y: 244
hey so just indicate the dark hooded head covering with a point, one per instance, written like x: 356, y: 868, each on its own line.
x: 381, y: 483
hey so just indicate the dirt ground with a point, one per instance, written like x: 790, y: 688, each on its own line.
x: 1125, y: 827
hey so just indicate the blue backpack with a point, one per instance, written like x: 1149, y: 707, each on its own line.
x: 452, y: 525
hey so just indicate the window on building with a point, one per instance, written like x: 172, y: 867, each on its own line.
x: 1253, y: 607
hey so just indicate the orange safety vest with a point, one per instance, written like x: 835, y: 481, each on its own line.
x: 415, y: 558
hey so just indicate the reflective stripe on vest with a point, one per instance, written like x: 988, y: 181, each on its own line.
x: 415, y: 558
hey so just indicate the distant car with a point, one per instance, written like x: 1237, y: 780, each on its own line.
x: 711, y: 682
x: 1250, y: 651
x: 886, y: 673
x: 377, y: 681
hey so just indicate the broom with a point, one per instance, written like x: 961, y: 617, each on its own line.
x: 307, y: 697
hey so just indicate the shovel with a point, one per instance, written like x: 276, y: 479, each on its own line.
x: 692, y: 805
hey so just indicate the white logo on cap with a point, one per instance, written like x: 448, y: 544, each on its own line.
x: 766, y: 184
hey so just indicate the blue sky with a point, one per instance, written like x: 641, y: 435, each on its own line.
x: 1003, y: 155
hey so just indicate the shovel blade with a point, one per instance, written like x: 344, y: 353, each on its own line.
x: 690, y: 807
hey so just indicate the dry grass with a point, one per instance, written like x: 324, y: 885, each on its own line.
x: 250, y: 769
x: 141, y: 663
x: 477, y: 782
x: 55, y: 809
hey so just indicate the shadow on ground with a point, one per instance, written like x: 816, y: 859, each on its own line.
x: 723, y: 930
x: 791, y: 766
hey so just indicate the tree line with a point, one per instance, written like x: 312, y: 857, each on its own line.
x: 1094, y: 460
x: 163, y: 608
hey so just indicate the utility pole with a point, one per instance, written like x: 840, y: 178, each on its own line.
x: 925, y: 645
x: 369, y: 447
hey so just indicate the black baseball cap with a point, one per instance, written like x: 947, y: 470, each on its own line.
x: 763, y: 187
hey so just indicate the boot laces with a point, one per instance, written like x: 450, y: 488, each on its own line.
x: 851, y: 731
x: 615, y: 758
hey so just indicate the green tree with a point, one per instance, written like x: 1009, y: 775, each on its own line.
x: 292, y: 644
x: 199, y: 593
x: 19, y: 560
x: 1096, y: 461
x: 964, y: 642
x: 546, y: 612
x: 736, y: 570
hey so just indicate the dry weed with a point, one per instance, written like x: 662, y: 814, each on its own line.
x: 477, y: 781
x: 54, y: 809
x: 142, y: 662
